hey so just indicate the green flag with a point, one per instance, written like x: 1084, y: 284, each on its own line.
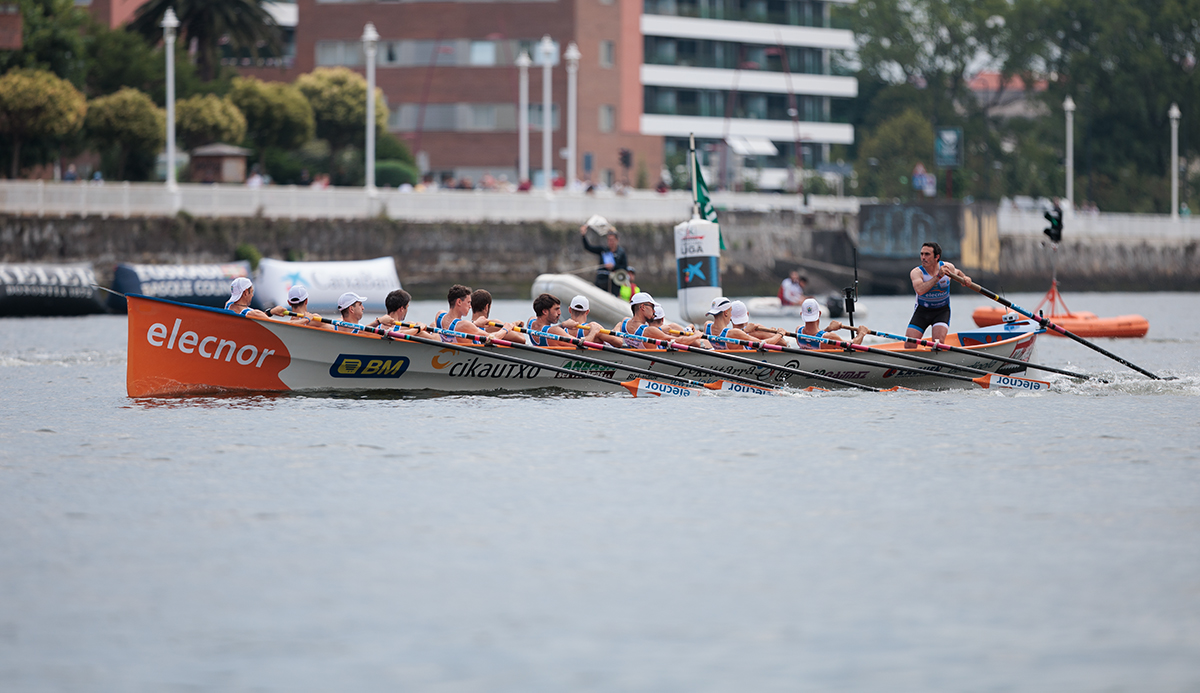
x: 700, y: 191
x: 706, y: 209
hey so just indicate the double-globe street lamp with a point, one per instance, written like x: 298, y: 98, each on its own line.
x: 370, y: 39
x: 1174, y: 115
x: 169, y: 24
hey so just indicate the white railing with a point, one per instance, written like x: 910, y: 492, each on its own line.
x: 293, y: 202
x: 1019, y: 222
x: 635, y: 206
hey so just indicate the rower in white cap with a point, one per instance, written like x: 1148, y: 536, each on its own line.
x: 642, y: 305
x: 741, y: 321
x: 350, y: 304
x: 298, y: 303
x: 241, y: 292
x: 721, y: 325
x: 577, y: 324
x: 810, y: 313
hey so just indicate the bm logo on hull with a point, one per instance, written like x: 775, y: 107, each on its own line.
x: 360, y: 366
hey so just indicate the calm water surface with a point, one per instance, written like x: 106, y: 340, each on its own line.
x: 943, y: 541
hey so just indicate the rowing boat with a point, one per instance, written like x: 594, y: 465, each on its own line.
x: 181, y: 349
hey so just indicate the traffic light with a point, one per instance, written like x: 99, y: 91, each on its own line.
x: 626, y: 158
x: 1056, y: 227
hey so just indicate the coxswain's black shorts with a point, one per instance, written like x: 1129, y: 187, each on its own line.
x: 923, y: 317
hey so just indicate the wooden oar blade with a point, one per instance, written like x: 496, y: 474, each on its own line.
x: 1011, y: 382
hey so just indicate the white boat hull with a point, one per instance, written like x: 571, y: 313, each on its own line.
x: 178, y: 349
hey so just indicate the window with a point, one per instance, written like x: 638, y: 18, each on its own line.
x: 608, y: 52
x: 483, y: 53
x: 608, y: 118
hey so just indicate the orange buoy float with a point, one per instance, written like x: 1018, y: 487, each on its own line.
x: 1083, y: 323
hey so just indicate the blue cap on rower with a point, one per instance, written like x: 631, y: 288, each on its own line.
x: 348, y: 299
x: 239, y: 286
x: 720, y: 304
x: 641, y: 297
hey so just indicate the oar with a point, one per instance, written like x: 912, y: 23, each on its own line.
x: 986, y: 378
x: 962, y: 279
x: 741, y: 359
x: 635, y: 386
x: 576, y: 356
x: 938, y: 346
x: 644, y: 357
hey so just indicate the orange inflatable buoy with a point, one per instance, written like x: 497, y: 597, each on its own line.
x: 1082, y: 323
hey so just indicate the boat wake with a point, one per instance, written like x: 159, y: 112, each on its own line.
x: 75, y: 358
x: 1124, y: 383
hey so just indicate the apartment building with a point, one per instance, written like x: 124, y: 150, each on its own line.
x: 752, y: 79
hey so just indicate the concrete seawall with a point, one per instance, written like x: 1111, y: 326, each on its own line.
x: 505, y: 258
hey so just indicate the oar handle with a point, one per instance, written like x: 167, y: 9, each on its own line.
x: 1048, y: 324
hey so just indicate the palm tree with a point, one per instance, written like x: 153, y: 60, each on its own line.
x: 204, y: 23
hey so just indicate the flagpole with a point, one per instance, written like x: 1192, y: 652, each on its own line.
x: 693, y: 165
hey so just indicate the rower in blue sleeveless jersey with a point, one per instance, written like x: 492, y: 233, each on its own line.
x: 721, y: 324
x: 810, y: 313
x: 241, y: 292
x: 642, y: 305
x: 351, y: 307
x: 931, y: 281
x: 577, y: 324
x: 547, y: 311
x: 457, y: 320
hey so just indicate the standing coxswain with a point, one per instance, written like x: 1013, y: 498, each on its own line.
x: 931, y: 281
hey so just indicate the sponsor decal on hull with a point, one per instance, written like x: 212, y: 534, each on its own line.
x: 175, y: 349
x: 368, y: 366
x: 585, y: 367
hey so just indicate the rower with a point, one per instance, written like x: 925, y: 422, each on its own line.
x: 931, y: 281
x: 642, y: 305
x: 297, y: 299
x: 455, y: 319
x: 721, y: 324
x: 481, y: 311
x: 685, y: 335
x: 578, y: 326
x: 547, y: 312
x: 241, y: 292
x: 767, y: 335
x: 350, y: 304
x: 396, y: 304
x: 810, y: 313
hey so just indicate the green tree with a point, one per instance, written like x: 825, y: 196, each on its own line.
x: 202, y: 120
x: 891, y: 153
x: 36, y: 103
x: 51, y: 39
x: 339, y: 101
x: 277, y: 115
x: 245, y: 24
x: 129, y: 121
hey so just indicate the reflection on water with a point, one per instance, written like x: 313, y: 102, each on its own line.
x: 555, y: 541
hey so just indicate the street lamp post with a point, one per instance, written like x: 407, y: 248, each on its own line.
x: 370, y: 39
x: 1069, y: 109
x: 523, y: 62
x: 1174, y: 114
x: 546, y: 51
x: 572, y: 55
x: 169, y: 24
